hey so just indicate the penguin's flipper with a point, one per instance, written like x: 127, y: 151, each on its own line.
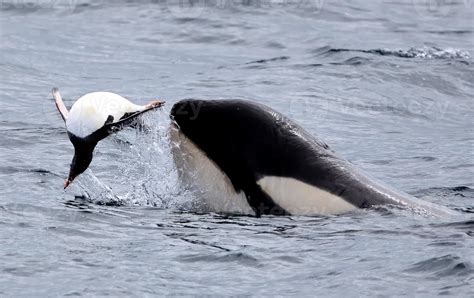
x: 129, y: 118
x: 60, y: 104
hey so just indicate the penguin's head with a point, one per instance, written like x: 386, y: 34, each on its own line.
x: 92, y: 118
x: 83, y: 153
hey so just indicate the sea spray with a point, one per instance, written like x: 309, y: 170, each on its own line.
x: 145, y: 173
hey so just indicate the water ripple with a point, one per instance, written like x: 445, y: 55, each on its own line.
x: 443, y: 266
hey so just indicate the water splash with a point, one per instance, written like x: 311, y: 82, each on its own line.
x: 145, y: 174
x: 96, y: 191
x: 149, y: 171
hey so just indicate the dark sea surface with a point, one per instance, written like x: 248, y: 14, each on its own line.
x: 389, y: 85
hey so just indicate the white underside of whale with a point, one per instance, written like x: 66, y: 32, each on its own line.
x: 215, y: 188
x: 201, y: 174
x: 300, y: 198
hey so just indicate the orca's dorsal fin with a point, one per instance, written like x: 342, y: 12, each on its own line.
x: 60, y: 104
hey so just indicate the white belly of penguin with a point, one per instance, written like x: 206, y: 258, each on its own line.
x: 203, y: 175
x: 90, y: 112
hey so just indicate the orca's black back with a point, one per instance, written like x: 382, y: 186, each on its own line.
x: 249, y: 141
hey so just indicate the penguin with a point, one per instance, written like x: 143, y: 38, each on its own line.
x: 92, y: 118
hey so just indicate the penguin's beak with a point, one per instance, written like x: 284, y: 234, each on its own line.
x: 69, y: 179
x: 80, y: 163
x: 66, y: 183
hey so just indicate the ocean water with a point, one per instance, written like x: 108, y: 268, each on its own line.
x: 387, y: 85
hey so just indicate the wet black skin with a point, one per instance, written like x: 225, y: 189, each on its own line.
x: 248, y: 141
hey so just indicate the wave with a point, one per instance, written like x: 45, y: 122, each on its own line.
x: 420, y: 53
x: 281, y: 58
x: 460, y: 190
x: 450, y: 195
x: 428, y: 53
x: 450, y: 32
x: 442, y: 266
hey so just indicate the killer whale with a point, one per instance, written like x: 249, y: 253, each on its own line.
x: 250, y: 159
